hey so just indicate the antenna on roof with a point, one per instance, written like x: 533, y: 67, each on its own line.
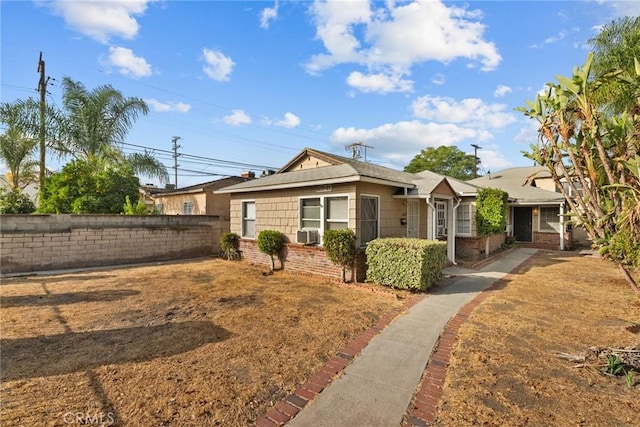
x: 355, y: 150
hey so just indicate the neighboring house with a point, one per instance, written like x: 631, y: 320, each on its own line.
x: 196, y: 199
x: 536, y: 209
x: 30, y: 189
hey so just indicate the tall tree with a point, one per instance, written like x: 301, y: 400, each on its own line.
x: 17, y: 152
x: 444, y: 160
x: 96, y: 124
x: 615, y: 48
x: 585, y: 143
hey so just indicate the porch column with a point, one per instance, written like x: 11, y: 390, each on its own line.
x: 431, y: 218
x: 562, y: 226
x: 451, y: 231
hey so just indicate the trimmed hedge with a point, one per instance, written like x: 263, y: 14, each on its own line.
x: 402, y: 263
x: 271, y: 242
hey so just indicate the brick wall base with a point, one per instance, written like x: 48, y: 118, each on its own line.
x: 304, y: 259
x: 475, y: 249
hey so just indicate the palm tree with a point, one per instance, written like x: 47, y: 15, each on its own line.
x: 17, y: 151
x: 96, y: 122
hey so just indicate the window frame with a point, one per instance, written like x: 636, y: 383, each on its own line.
x: 556, y: 215
x: 469, y: 205
x: 243, y: 219
x: 438, y: 204
x: 323, y: 212
x: 189, y: 204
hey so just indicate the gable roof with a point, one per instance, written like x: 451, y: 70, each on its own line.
x: 340, y: 170
x: 515, y: 181
x: 205, y: 186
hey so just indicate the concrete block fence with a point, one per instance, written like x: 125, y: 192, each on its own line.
x: 50, y: 242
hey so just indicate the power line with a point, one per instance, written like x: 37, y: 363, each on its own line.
x: 174, y: 141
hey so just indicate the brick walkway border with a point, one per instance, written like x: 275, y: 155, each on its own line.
x: 422, y: 410
x: 287, y: 409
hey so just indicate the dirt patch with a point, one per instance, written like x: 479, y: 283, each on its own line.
x: 503, y: 372
x: 200, y: 343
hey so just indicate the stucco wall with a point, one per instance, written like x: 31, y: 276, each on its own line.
x: 48, y: 242
x: 475, y: 248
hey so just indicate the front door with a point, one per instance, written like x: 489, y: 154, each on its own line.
x: 522, y: 220
x: 413, y: 218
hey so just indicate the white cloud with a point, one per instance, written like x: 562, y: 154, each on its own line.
x: 501, y: 91
x: 167, y: 107
x: 619, y: 9
x: 381, y: 83
x: 101, y: 20
x: 439, y: 79
x: 399, y: 142
x: 237, y: 118
x: 268, y: 14
x: 491, y: 159
x: 290, y: 121
x: 528, y: 133
x: 217, y: 66
x: 390, y: 39
x: 469, y: 112
x: 127, y: 62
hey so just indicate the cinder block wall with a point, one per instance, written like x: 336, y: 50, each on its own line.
x: 50, y: 242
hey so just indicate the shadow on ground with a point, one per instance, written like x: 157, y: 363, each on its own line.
x: 73, y: 352
x: 65, y: 298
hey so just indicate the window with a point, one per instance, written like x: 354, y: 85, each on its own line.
x: 310, y: 213
x: 249, y: 219
x: 368, y: 219
x: 463, y: 219
x: 187, y: 208
x: 441, y: 218
x: 336, y: 213
x: 550, y: 219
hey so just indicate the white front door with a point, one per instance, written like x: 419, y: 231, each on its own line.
x: 413, y: 218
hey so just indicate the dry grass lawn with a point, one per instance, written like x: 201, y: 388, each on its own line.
x: 503, y: 372
x: 198, y: 343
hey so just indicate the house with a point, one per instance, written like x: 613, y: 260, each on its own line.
x: 317, y: 191
x: 536, y: 208
x: 196, y: 199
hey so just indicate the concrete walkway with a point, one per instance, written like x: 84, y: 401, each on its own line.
x: 377, y: 387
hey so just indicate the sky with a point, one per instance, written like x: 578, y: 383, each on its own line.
x: 246, y: 85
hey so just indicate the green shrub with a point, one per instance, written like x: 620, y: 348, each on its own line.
x: 14, y: 201
x: 413, y: 264
x: 139, y: 208
x: 230, y: 245
x: 270, y: 242
x: 340, y: 246
x: 624, y: 248
x: 491, y: 211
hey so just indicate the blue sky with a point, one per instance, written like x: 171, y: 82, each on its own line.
x: 254, y: 82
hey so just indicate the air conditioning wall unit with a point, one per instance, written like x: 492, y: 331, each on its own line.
x: 307, y: 236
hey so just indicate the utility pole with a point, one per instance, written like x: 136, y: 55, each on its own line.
x: 174, y: 140
x: 42, y: 88
x: 355, y: 150
x: 475, y: 159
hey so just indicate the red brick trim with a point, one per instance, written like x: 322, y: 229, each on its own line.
x: 422, y: 409
x: 286, y: 410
